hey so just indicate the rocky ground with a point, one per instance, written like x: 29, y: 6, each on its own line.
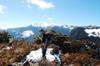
x: 15, y: 54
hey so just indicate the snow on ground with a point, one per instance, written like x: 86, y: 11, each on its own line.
x: 8, y: 48
x: 37, y: 55
x: 27, y: 33
x: 5, y: 49
x: 93, y: 32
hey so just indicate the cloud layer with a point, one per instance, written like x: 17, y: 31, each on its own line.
x: 40, y: 3
x: 2, y: 9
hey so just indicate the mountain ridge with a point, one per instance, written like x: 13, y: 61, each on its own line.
x: 34, y: 28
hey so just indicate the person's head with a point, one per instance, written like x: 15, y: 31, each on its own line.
x: 42, y: 31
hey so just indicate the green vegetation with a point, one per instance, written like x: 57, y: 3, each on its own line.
x: 74, y: 51
x: 4, y: 37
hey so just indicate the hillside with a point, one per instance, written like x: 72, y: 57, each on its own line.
x: 73, y: 52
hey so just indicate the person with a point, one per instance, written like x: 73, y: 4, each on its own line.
x: 45, y: 42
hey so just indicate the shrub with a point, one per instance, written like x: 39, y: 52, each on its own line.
x: 4, y: 37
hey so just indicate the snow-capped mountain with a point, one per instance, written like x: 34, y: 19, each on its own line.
x: 30, y: 31
x: 42, y: 25
x: 93, y: 32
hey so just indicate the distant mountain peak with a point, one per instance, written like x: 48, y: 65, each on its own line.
x: 45, y: 24
x: 41, y: 24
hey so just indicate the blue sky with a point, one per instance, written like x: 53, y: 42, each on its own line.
x: 16, y: 13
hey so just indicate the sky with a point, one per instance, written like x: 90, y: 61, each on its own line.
x: 17, y: 13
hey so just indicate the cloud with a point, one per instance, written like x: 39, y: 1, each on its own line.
x: 40, y: 3
x: 2, y: 9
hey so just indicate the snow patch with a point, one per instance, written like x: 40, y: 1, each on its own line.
x: 27, y: 33
x: 37, y: 55
x: 8, y: 48
x: 93, y: 32
x: 69, y: 26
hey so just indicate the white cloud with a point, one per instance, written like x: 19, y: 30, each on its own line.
x: 40, y: 3
x: 2, y: 9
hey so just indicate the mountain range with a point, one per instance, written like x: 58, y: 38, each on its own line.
x: 30, y: 31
